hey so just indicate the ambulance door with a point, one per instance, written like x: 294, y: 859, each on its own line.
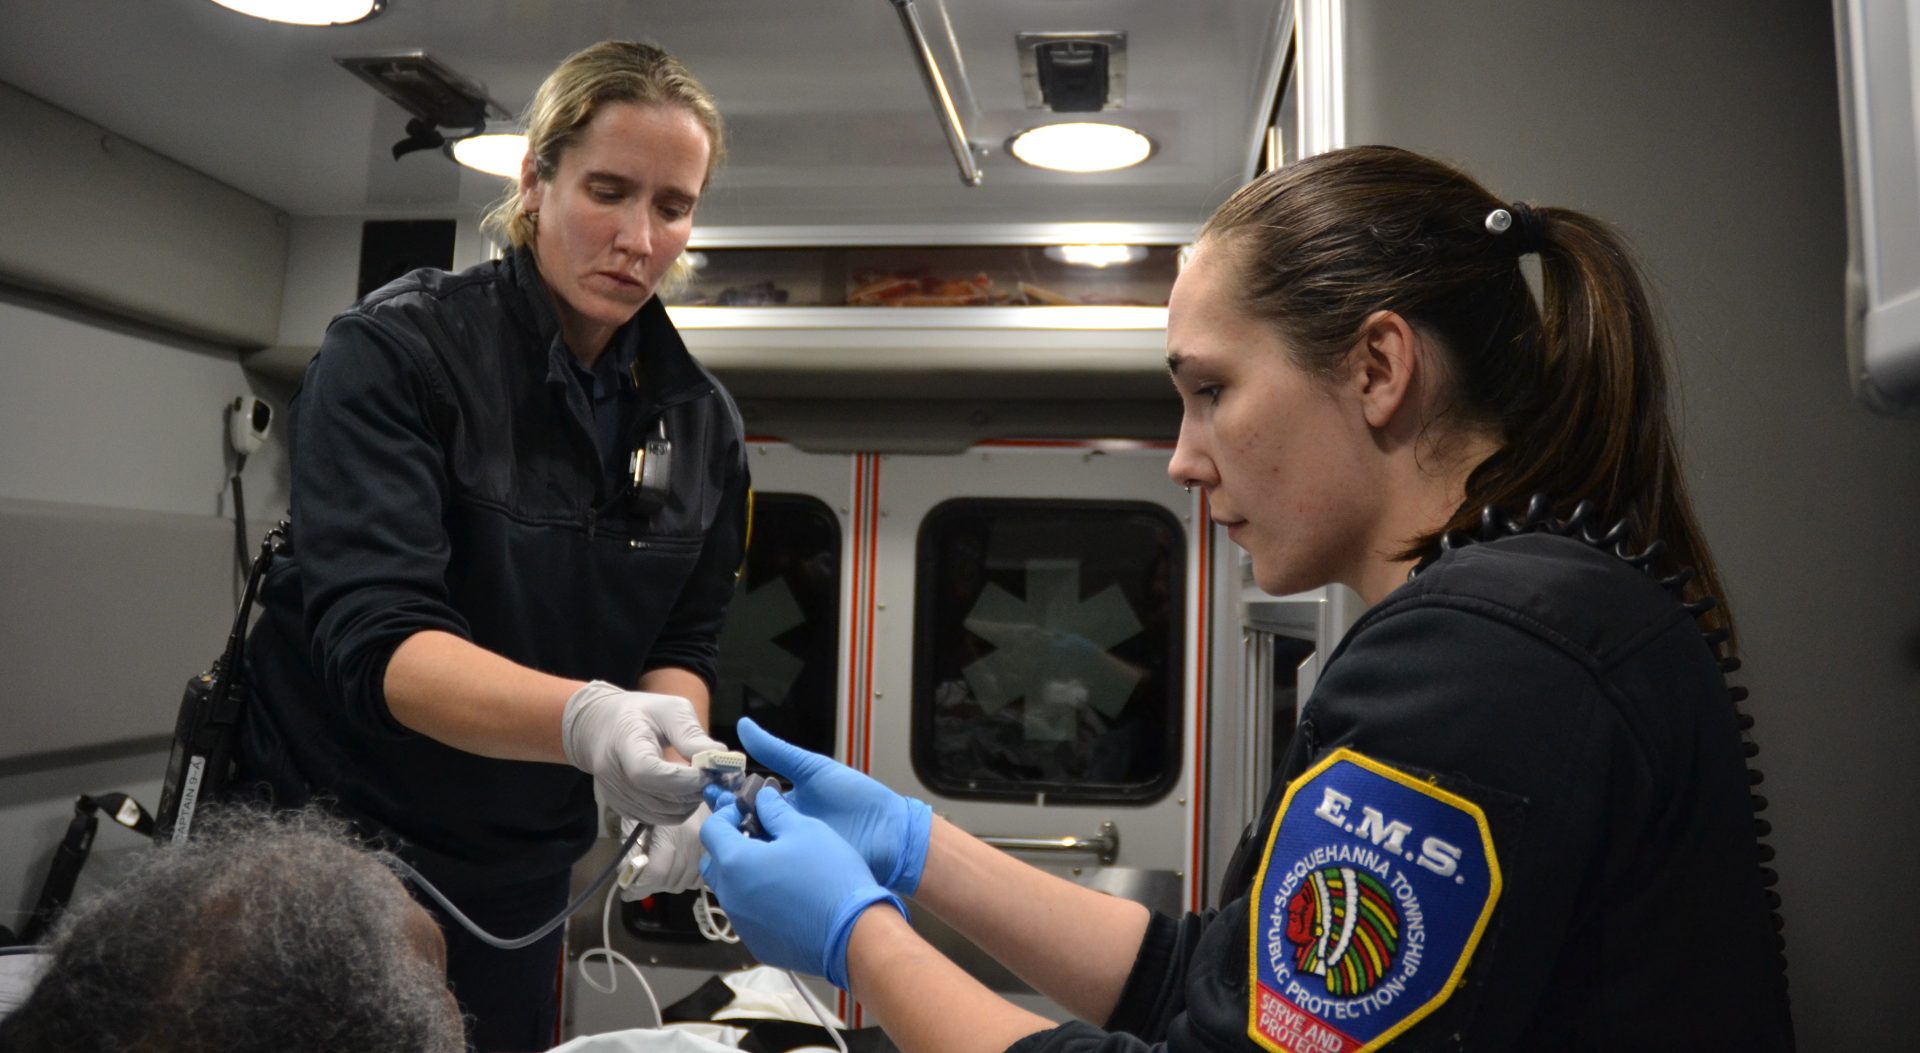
x: 1282, y: 642
x: 1025, y: 660
x: 781, y: 654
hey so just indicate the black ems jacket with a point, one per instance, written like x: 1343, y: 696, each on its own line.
x: 1572, y: 701
x: 445, y: 477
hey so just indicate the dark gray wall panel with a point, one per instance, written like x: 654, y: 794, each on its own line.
x: 107, y: 612
x: 109, y: 223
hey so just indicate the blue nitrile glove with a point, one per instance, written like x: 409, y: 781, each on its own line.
x: 795, y: 896
x: 889, y: 830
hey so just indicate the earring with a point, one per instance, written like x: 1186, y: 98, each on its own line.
x: 1188, y: 489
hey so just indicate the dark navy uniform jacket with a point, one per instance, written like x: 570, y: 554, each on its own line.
x: 445, y: 476
x: 1573, y: 699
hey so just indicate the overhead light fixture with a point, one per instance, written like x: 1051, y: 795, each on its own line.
x: 1081, y: 147
x: 1099, y: 256
x: 1073, y: 72
x: 307, y: 12
x: 436, y: 96
x: 495, y: 153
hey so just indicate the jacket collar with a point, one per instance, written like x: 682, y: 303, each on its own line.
x: 665, y: 371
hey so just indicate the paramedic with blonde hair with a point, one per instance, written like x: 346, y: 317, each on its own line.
x: 518, y: 505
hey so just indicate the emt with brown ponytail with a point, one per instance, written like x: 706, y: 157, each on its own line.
x: 1515, y: 814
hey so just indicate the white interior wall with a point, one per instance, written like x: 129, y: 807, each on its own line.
x: 323, y: 269
x: 96, y: 412
x: 188, y: 252
x: 1709, y: 132
x: 323, y: 272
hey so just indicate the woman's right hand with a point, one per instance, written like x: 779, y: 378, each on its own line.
x: 794, y: 891
x: 620, y: 737
x: 889, y: 830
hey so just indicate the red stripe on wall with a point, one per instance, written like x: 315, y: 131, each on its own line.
x: 873, y: 577
x: 866, y: 597
x: 853, y: 634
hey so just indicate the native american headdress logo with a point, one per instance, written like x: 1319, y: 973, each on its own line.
x: 1344, y: 928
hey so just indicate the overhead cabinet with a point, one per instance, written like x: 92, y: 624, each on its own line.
x: 1067, y: 312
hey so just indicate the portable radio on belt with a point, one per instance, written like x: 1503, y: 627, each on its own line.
x: 652, y: 468
x: 198, y: 767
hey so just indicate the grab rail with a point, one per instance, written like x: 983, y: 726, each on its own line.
x: 1106, y: 844
x: 937, y: 89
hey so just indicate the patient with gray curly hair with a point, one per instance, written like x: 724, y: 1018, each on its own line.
x: 265, y: 932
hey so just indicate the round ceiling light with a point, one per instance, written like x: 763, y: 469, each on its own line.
x: 495, y: 153
x: 307, y: 12
x: 1081, y: 147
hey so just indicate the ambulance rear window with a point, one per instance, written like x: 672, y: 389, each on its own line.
x: 1048, y: 650
x: 779, y: 646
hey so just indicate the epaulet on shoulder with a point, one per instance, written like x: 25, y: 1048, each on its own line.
x: 1581, y: 526
x: 427, y: 283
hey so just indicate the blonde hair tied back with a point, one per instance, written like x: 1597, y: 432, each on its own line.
x: 612, y: 71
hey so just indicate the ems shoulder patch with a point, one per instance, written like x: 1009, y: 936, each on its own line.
x: 1374, y: 891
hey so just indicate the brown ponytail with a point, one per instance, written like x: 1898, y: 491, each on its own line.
x: 1574, y: 386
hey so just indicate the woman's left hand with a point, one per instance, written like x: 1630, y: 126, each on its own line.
x: 672, y: 855
x: 792, y: 897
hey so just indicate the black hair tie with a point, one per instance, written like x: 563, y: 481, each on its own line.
x: 1519, y: 226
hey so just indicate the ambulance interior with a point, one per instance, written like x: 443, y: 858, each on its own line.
x: 970, y: 574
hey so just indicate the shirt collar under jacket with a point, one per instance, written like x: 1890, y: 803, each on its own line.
x: 666, y: 370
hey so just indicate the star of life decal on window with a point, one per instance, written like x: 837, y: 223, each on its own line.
x: 1374, y: 890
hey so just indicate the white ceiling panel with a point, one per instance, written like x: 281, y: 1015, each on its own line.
x: 829, y: 122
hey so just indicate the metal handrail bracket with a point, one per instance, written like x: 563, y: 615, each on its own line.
x: 937, y: 90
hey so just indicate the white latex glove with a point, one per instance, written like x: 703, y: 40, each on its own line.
x: 618, y: 736
x: 672, y: 857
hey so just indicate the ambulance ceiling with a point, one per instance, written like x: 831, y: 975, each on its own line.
x: 829, y: 119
